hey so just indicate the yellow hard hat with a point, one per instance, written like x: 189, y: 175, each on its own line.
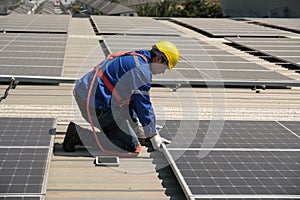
x: 170, y: 51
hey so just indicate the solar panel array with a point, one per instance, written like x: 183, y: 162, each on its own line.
x: 286, y: 49
x: 35, y: 23
x: 32, y: 54
x: 25, y: 151
x: 199, y: 61
x: 227, y: 27
x: 132, y: 25
x: 246, y: 159
x: 292, y: 24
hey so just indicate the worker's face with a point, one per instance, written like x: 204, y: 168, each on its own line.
x: 158, y: 66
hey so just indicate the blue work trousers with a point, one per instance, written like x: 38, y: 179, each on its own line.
x: 118, y: 127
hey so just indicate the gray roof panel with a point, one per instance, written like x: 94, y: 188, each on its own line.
x: 233, y: 159
x: 195, y: 67
x: 228, y: 27
x: 32, y: 54
x: 35, y: 23
x: 285, y: 53
x: 286, y: 23
x: 131, y: 25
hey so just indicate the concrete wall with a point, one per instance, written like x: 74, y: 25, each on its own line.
x: 259, y: 8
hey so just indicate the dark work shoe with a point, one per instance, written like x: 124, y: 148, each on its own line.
x: 71, y: 138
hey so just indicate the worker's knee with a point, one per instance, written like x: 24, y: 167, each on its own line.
x: 131, y: 147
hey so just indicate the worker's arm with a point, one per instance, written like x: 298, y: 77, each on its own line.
x: 143, y: 103
x: 140, y: 79
x: 144, y: 110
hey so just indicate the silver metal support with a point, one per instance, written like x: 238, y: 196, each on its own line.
x: 222, y: 83
x: 38, y: 79
x: 12, y: 85
x: 167, y: 82
x: 177, y: 173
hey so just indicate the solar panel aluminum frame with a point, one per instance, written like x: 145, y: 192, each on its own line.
x: 218, y: 83
x: 47, y: 167
x: 23, y: 197
x: 188, y: 193
x: 37, y: 79
x: 251, y: 197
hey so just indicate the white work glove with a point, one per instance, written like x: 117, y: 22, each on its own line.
x: 157, y: 141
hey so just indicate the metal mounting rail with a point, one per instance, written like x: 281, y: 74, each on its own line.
x: 212, y: 83
x: 166, y: 82
x: 38, y: 79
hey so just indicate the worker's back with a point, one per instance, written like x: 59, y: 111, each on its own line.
x: 125, y: 73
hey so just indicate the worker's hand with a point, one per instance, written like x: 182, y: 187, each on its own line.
x: 157, y: 141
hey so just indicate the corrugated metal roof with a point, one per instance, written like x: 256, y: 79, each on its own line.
x: 107, y: 7
x: 114, y: 9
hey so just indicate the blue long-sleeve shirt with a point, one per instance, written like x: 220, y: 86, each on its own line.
x: 131, y: 77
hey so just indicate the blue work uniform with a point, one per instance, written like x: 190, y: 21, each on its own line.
x: 130, y: 75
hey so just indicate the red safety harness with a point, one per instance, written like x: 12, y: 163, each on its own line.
x: 99, y: 72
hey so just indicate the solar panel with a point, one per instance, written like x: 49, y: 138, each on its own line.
x: 292, y: 24
x: 132, y: 25
x: 25, y: 132
x: 25, y: 150
x: 270, y: 47
x: 228, y: 27
x: 244, y: 173
x: 234, y: 134
x: 35, y: 23
x: 32, y: 54
x: 242, y: 159
x: 197, y: 63
x: 23, y: 170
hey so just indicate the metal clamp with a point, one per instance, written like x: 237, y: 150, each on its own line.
x: 12, y: 85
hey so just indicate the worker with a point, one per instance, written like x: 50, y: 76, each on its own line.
x: 120, y: 100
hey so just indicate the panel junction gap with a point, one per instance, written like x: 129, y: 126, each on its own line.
x: 263, y: 56
x: 94, y: 26
x: 275, y: 27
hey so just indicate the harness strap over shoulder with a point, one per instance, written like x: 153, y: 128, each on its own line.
x: 130, y: 53
x: 108, y: 84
